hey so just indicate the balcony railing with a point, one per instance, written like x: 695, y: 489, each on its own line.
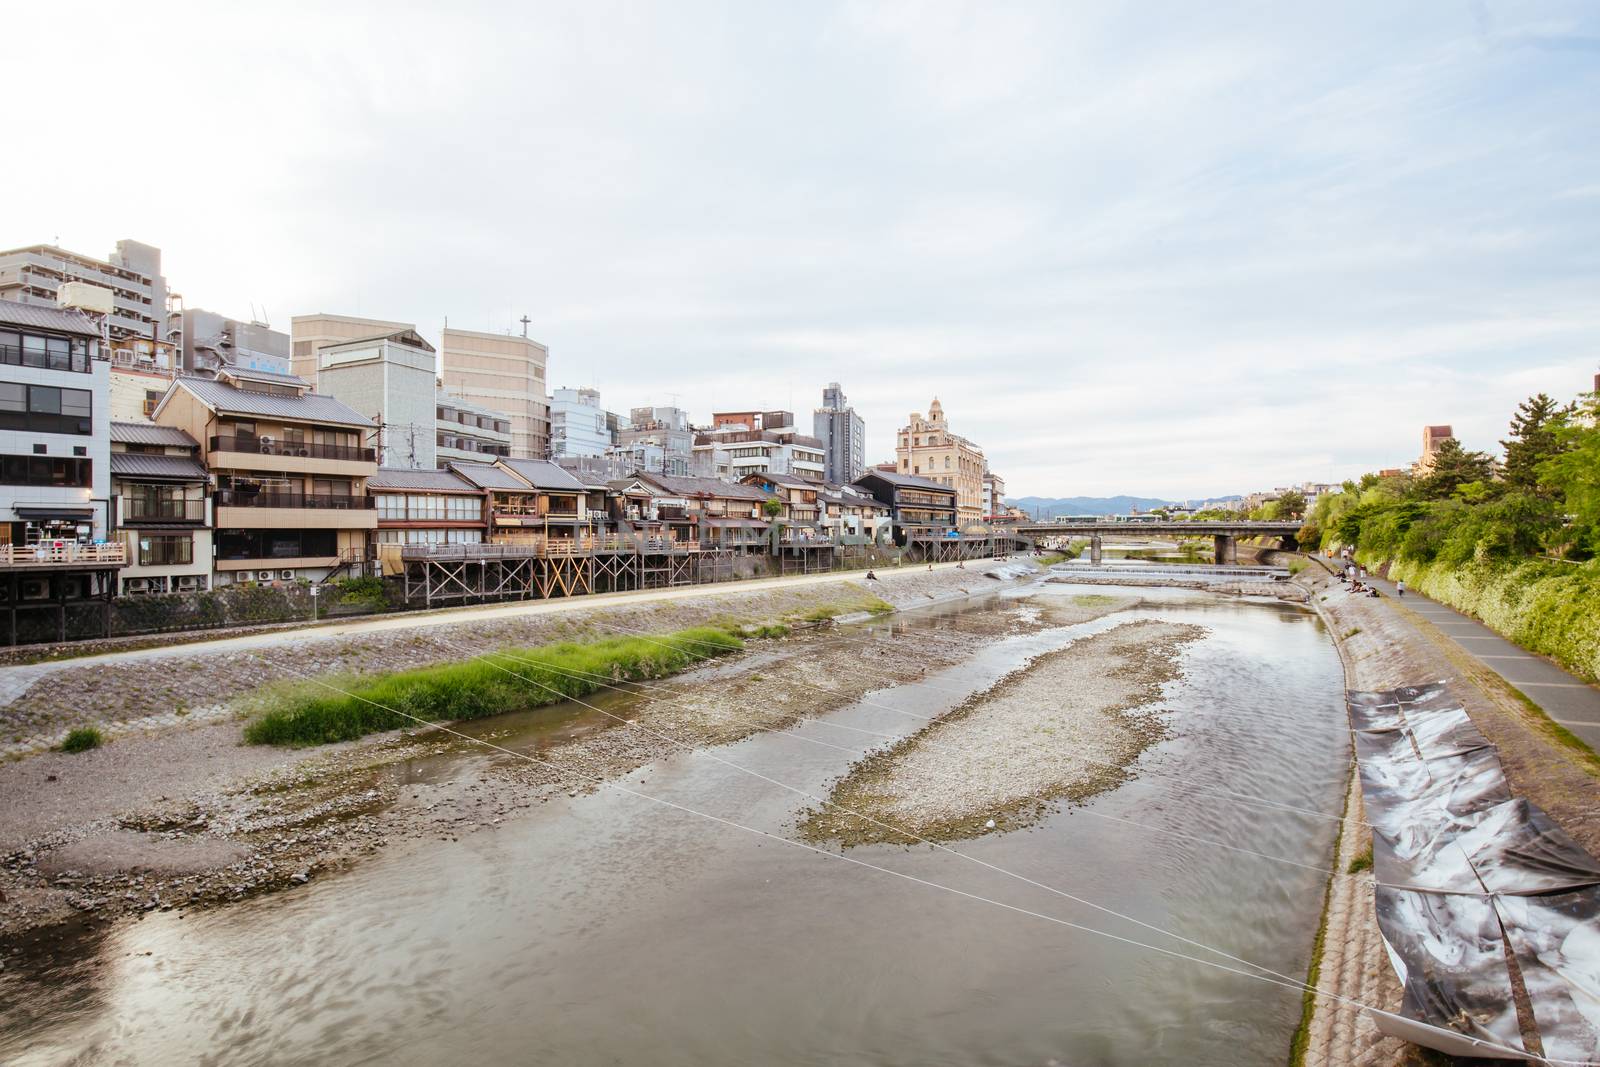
x: 63, y: 554
x: 135, y: 509
x: 235, y: 498
x: 14, y: 356
x: 293, y: 449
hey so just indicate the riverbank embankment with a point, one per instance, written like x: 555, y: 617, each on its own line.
x: 1384, y: 645
x: 176, y: 811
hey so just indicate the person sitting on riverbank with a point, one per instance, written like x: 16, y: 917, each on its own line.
x: 1373, y: 592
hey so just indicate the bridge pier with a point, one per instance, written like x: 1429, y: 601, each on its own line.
x: 1094, y: 549
x: 1225, y: 549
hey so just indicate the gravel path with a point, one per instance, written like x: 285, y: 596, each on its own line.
x: 1065, y: 726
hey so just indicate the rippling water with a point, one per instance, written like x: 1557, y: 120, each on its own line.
x: 611, y: 930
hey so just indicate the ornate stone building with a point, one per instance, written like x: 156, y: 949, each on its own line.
x: 927, y: 449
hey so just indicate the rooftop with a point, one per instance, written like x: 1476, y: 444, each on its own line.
x: 147, y: 433
x: 43, y: 317
x: 150, y: 465
x: 307, y: 407
x: 438, y: 481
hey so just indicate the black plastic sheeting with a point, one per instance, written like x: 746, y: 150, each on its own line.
x: 1470, y: 878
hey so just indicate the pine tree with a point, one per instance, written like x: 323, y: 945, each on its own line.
x: 1534, y: 439
x: 1454, y: 466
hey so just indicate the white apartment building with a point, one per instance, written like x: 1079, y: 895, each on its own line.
x: 55, y: 426
x: 132, y: 273
x: 465, y: 432
x: 310, y: 334
x: 578, y: 424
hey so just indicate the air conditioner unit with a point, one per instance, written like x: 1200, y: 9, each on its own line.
x: 34, y: 589
x: 287, y: 576
x: 136, y: 585
x: 243, y: 576
x: 266, y: 445
x: 188, y: 583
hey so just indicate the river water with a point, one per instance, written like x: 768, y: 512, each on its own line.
x: 607, y: 929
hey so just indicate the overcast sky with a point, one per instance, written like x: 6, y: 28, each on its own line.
x: 1168, y: 250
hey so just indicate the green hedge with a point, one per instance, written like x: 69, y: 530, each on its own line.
x: 1546, y: 607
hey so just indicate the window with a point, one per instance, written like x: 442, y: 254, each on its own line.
x: 165, y: 550
x: 45, y: 470
x: 45, y: 409
x: 152, y: 397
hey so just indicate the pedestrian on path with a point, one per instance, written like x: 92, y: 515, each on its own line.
x: 1400, y: 588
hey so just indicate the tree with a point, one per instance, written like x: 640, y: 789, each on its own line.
x: 772, y: 506
x: 1292, y: 505
x: 1453, y: 466
x: 1535, y: 437
x: 1574, y: 472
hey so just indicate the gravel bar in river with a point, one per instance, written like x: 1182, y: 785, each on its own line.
x: 1064, y: 727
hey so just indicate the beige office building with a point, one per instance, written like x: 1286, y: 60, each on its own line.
x: 926, y: 448
x: 506, y: 373
x: 310, y: 334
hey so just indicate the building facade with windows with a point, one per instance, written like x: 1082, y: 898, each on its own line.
x: 925, y: 448
x: 502, y: 372
x: 132, y: 274
x: 310, y: 334
x: 994, y: 496
x: 465, y: 432
x: 917, y: 506
x: 208, y: 342
x: 418, y: 507
x: 160, y: 509
x: 290, y: 470
x: 843, y: 434
x: 55, y: 426
x: 578, y: 424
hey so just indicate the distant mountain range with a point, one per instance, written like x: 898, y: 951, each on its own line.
x: 1049, y: 506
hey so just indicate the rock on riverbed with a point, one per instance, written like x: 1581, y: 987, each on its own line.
x: 1065, y: 726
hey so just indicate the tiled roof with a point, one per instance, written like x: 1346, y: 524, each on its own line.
x: 150, y: 465
x: 676, y: 486
x: 445, y: 481
x: 43, y: 317
x: 146, y: 433
x: 906, y: 481
x: 310, y: 407
x: 251, y: 374
x: 543, y: 474
x: 488, y: 476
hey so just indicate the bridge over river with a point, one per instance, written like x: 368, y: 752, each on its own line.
x: 1224, y: 533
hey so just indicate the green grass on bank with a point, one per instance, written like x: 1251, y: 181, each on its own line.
x: 83, y: 739
x: 310, y: 714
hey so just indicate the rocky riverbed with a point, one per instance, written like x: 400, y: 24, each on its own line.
x: 1065, y: 727
x: 179, y: 813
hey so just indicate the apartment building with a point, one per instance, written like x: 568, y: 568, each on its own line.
x: 132, y: 274
x: 209, y: 342
x: 54, y: 475
x: 1432, y: 438
x: 160, y: 509
x: 465, y: 432
x: 310, y: 334
x: 578, y: 424
x: 290, y: 468
x: 843, y: 434
x: 733, y: 450
x: 850, y: 512
x: 926, y: 448
x: 505, y: 373
x: 390, y: 378
x: 994, y: 494
x: 661, y: 436
x: 799, y: 496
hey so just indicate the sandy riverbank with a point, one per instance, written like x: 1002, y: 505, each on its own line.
x: 181, y: 814
x: 1065, y: 727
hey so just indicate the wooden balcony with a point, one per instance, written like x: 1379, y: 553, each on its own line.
x: 63, y: 555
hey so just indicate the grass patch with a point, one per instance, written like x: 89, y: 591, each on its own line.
x: 1361, y: 863
x: 1297, y: 565
x: 870, y: 604
x: 1301, y: 1041
x: 1095, y: 600
x: 308, y: 714
x: 83, y: 739
x: 1348, y: 634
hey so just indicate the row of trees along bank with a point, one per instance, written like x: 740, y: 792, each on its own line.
x: 1515, y: 543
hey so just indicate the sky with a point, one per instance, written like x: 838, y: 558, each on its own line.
x: 1168, y: 249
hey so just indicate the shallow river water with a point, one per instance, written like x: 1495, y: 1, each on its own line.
x: 608, y: 929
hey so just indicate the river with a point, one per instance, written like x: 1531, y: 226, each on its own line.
x: 608, y: 929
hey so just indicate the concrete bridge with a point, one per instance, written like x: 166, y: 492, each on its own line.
x: 1224, y: 533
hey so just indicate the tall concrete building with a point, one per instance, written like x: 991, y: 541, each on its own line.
x: 209, y: 342
x: 506, y: 373
x: 926, y: 448
x: 578, y: 424
x: 391, y: 380
x: 35, y: 275
x: 310, y: 334
x: 666, y: 428
x: 843, y: 434
x: 1432, y: 438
